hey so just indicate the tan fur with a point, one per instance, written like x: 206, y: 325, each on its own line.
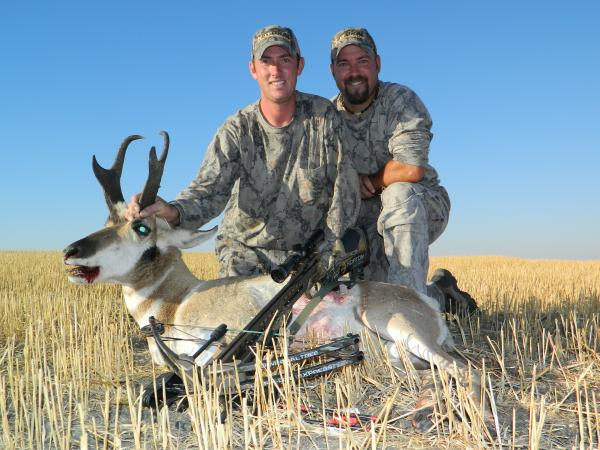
x: 158, y: 283
x: 214, y: 305
x: 387, y: 307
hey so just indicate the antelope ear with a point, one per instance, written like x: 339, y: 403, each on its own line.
x: 181, y: 238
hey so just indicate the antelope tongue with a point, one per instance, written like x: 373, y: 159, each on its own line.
x: 89, y: 273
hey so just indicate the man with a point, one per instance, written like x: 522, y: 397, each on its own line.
x: 404, y: 208
x: 275, y: 167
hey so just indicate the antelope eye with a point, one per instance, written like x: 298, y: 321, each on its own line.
x: 141, y: 229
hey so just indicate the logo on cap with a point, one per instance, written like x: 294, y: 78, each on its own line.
x: 274, y: 35
x: 356, y: 36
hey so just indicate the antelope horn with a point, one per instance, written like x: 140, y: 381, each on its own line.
x: 110, y: 179
x: 155, y: 171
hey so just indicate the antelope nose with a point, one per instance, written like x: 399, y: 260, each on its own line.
x: 71, y: 250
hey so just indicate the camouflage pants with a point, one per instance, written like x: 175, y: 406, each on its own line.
x: 236, y: 259
x: 409, y: 219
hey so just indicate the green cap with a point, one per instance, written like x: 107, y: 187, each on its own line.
x: 352, y: 36
x: 274, y: 35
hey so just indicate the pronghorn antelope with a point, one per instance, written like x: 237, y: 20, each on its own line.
x: 144, y: 256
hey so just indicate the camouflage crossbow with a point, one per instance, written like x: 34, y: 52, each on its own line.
x: 302, y: 270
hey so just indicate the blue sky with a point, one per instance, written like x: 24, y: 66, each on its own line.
x: 513, y: 89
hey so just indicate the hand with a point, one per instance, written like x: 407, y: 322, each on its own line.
x: 159, y: 208
x: 367, y: 188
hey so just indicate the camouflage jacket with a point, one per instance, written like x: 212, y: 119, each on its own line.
x: 279, y: 184
x: 396, y: 126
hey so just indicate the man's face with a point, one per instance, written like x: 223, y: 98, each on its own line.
x: 276, y: 73
x: 356, y: 73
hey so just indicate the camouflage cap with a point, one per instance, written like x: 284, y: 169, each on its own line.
x: 352, y: 36
x: 274, y: 35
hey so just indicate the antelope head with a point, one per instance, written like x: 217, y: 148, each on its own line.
x: 129, y: 252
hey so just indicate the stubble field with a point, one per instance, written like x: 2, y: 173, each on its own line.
x: 72, y: 363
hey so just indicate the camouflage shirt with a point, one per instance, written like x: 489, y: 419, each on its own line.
x: 396, y: 126
x: 279, y: 184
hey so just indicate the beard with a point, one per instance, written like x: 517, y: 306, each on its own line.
x: 356, y: 96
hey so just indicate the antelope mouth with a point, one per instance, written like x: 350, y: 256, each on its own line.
x: 89, y: 274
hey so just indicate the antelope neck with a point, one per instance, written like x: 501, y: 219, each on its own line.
x: 162, y: 296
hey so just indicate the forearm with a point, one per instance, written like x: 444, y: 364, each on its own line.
x: 394, y: 172
x: 408, y: 144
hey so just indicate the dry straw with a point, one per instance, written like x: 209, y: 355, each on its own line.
x: 72, y: 364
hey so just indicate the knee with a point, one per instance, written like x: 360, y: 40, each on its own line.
x: 237, y: 261
x: 402, y: 195
x: 399, y: 192
x: 402, y: 204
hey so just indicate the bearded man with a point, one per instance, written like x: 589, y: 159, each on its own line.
x: 404, y: 208
x: 275, y: 167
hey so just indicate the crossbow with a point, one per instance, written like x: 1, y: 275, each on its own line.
x: 303, y: 272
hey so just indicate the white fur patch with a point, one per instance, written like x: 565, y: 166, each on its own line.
x: 262, y: 290
x: 115, y: 260
x: 432, y: 303
x: 77, y: 280
x: 180, y: 237
x: 120, y: 208
x: 134, y: 299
